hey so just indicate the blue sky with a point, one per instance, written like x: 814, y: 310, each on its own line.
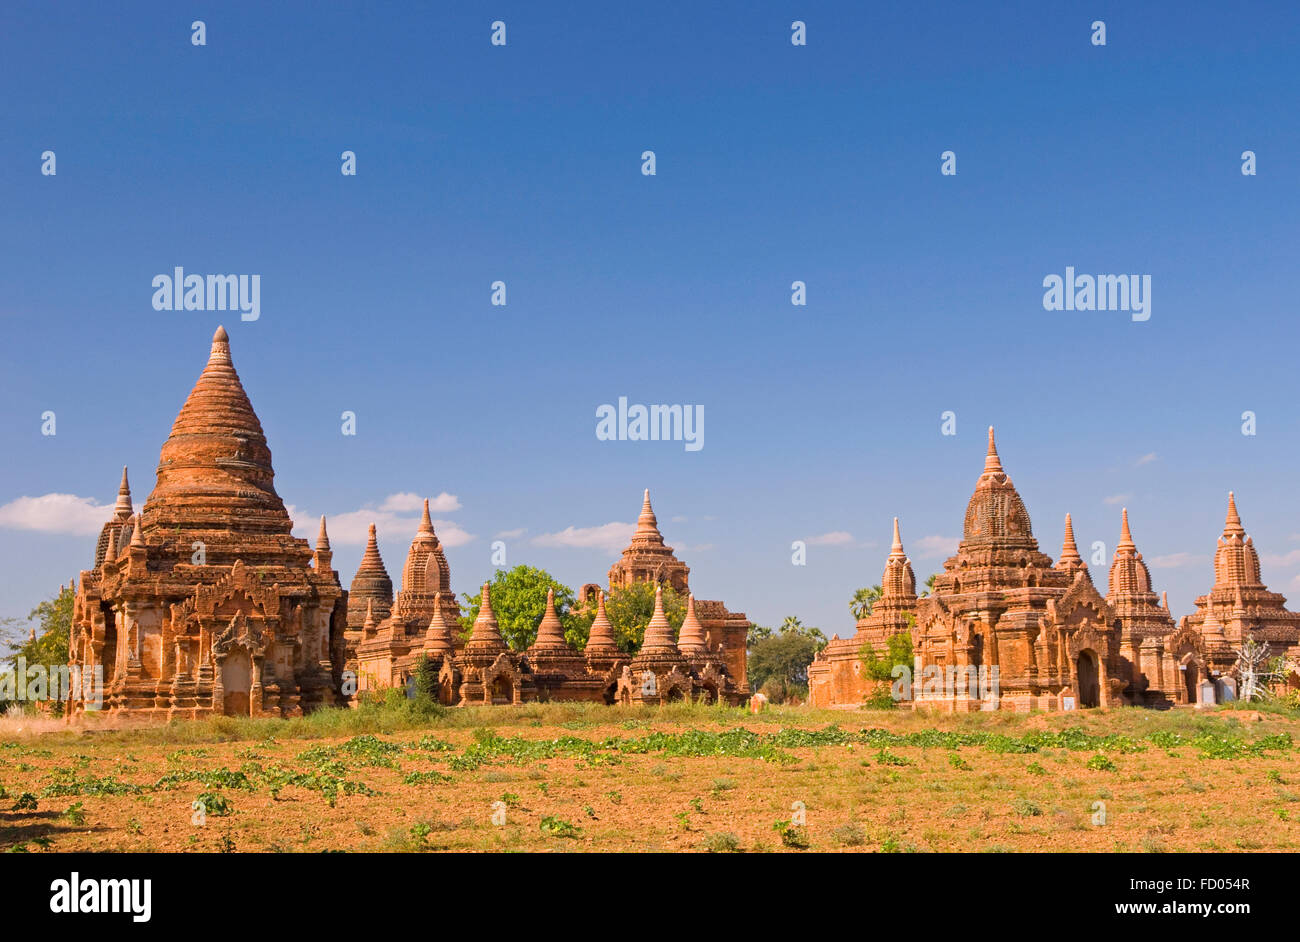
x: 774, y: 163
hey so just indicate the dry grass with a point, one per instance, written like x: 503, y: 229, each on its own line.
x: 573, y: 777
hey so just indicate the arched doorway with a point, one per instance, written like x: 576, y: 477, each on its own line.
x: 1191, y: 680
x: 502, y: 693
x: 109, y: 657
x: 236, y: 682
x: 1089, y: 680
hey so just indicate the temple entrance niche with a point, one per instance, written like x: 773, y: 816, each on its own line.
x: 237, y: 683
x: 1191, y: 680
x: 1089, y: 680
x: 501, y: 691
x: 109, y: 656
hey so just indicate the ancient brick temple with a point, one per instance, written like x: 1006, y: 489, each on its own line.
x: 1005, y: 628
x: 203, y: 602
x: 707, y: 662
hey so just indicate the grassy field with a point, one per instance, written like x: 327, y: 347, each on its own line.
x: 572, y: 777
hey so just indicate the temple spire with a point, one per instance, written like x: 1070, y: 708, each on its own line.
x: 690, y: 639
x: 659, y: 632
x: 370, y: 625
x: 220, y: 347
x: 438, y: 638
x: 1164, y: 601
x: 601, y: 636
x: 896, y: 551
x: 322, y: 538
x: 550, y: 632
x: 123, y: 509
x: 137, y: 538
x: 1125, y: 535
x: 426, y: 524
x: 1069, y: 549
x: 486, y: 630
x: 371, y: 558
x: 1232, y: 525
x: 992, y: 463
x: 647, y: 524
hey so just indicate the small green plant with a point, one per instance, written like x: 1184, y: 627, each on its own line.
x: 1102, y: 763
x: 1034, y: 768
x: 792, y: 835
x: 425, y: 778
x: 558, y: 827
x: 957, y: 762
x: 75, y: 813
x: 614, y: 797
x: 26, y: 802
x: 216, y: 805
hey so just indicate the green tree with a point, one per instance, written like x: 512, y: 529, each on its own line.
x: 864, y: 600
x: 630, y: 607
x: 898, y: 650
x: 519, y: 601
x: 52, y: 623
x: 929, y: 584
x: 778, y: 661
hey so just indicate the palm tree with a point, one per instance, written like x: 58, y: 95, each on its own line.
x: 864, y: 600
x: 791, y: 623
x: 929, y: 584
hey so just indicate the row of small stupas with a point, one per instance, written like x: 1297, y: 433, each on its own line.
x: 389, y: 635
x: 1054, y: 640
x: 204, y: 602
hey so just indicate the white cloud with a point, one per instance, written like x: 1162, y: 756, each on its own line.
x: 396, y: 518
x: 612, y: 536
x: 689, y: 548
x: 1177, y: 560
x: 1284, y: 559
x: 1116, y: 498
x: 56, y: 513
x: 511, y: 534
x: 680, y: 518
x: 931, y: 547
x: 408, y: 502
x: 1147, y: 458
x: 834, y: 538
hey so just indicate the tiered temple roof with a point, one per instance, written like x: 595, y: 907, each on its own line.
x: 204, y: 601
x: 648, y: 558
